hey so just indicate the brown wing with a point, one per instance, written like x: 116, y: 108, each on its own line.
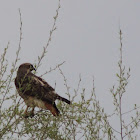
x: 32, y: 85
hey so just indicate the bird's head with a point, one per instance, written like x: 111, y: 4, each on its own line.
x: 26, y: 67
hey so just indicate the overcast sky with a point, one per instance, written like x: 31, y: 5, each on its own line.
x: 87, y: 38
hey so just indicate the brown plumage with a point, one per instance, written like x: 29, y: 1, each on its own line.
x: 35, y: 91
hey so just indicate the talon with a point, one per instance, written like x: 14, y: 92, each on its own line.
x: 26, y: 116
x: 29, y: 115
x: 32, y: 115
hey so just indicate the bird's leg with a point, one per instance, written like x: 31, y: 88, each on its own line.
x: 26, y: 112
x: 32, y: 112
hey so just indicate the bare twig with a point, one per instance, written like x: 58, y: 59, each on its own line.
x: 130, y: 110
x: 14, y: 64
x: 49, y: 40
x: 120, y: 94
x: 65, y: 81
x: 53, y: 69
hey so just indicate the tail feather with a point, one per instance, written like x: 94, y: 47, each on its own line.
x: 53, y: 109
x: 63, y: 99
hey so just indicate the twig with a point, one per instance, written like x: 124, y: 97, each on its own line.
x: 14, y: 64
x: 65, y: 81
x: 49, y: 40
x: 130, y: 110
x: 52, y: 69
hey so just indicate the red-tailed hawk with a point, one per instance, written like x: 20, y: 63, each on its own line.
x: 35, y: 91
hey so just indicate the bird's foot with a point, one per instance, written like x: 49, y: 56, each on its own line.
x: 29, y: 115
x: 26, y: 115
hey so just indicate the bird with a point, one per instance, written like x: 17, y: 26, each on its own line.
x: 35, y: 91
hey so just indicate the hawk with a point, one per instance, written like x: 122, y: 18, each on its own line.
x: 35, y: 91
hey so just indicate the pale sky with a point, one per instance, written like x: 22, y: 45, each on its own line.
x: 87, y: 38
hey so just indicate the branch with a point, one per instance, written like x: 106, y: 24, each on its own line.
x: 49, y: 40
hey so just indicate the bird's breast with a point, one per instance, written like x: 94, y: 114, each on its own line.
x: 34, y: 102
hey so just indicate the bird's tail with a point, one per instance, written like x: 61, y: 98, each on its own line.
x: 52, y: 108
x: 63, y: 99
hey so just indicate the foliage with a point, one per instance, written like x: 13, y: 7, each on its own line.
x: 83, y: 119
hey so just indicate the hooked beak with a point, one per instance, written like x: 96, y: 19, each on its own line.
x: 34, y: 69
